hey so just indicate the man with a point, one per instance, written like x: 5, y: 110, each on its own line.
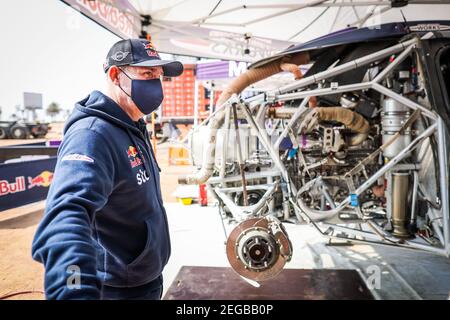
x: 104, y: 234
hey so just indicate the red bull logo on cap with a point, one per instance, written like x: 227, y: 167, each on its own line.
x: 150, y: 49
x: 44, y: 179
x: 152, y: 53
x: 133, y: 157
x: 148, y: 46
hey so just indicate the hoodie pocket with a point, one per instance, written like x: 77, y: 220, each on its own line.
x: 147, y: 266
x: 150, y: 262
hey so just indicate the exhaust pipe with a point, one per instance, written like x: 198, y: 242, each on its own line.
x: 352, y: 120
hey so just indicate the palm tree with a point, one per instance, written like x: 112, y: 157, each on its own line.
x: 53, y: 110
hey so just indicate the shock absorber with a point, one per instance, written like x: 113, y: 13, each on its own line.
x: 400, y: 216
x: 393, y: 118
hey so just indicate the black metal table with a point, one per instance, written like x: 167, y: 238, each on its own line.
x: 215, y: 283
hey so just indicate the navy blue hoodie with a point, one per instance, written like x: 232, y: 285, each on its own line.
x: 104, y: 218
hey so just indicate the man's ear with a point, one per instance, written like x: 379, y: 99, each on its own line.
x: 113, y: 74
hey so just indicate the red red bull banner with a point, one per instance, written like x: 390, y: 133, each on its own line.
x: 117, y: 16
x: 25, y: 182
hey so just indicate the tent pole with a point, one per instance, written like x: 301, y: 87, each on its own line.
x: 196, y: 103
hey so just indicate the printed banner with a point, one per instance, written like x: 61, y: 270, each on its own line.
x: 119, y: 16
x: 25, y: 182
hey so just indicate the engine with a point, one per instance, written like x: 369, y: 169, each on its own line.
x: 356, y: 158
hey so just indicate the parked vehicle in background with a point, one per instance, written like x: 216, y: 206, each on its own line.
x: 22, y: 129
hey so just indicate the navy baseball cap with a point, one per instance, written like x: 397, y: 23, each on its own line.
x: 140, y: 53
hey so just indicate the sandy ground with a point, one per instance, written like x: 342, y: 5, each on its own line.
x: 18, y: 272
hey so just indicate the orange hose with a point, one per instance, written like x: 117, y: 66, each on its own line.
x: 292, y: 68
x: 254, y: 75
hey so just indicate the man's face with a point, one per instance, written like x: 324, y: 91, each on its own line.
x: 137, y: 73
x: 123, y: 77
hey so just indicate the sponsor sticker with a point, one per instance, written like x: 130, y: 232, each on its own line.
x: 77, y: 157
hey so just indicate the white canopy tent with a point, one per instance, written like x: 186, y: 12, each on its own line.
x: 225, y: 28
x: 247, y: 30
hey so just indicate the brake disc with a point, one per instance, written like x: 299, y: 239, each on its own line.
x: 258, y: 248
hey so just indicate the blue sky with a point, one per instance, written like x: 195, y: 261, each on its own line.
x: 48, y: 47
